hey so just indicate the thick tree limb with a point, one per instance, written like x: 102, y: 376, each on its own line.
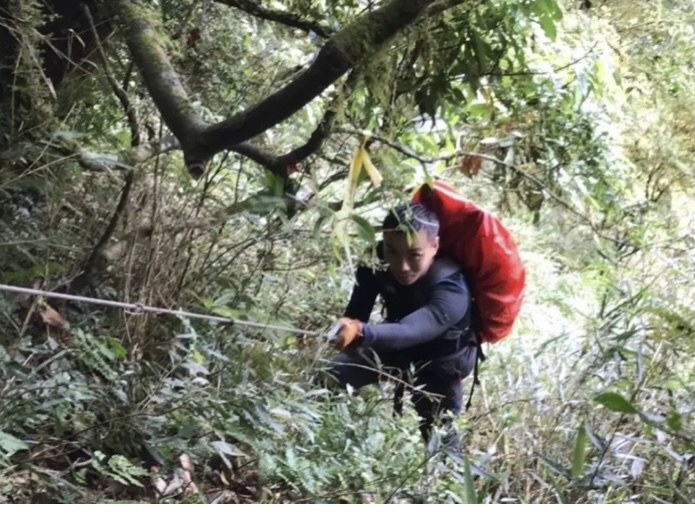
x: 350, y: 46
x: 273, y: 163
x: 322, y: 131
x: 283, y: 17
x: 355, y: 43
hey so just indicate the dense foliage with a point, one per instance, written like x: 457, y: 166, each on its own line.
x: 205, y: 155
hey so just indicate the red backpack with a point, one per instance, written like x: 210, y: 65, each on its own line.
x: 487, y: 253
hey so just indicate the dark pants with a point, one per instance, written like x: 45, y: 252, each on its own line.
x: 441, y: 392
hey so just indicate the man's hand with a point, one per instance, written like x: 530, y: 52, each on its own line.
x: 349, y: 331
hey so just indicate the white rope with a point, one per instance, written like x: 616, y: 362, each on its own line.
x: 139, y: 308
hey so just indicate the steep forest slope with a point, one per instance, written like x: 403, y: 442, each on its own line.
x: 205, y: 155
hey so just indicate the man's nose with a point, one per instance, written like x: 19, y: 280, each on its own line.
x: 403, y: 266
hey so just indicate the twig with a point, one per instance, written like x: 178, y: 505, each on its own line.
x: 91, y: 260
x: 283, y: 17
x: 117, y: 89
x: 555, y: 70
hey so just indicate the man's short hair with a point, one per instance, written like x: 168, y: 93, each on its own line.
x: 412, y: 218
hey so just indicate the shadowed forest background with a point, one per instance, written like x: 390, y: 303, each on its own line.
x: 196, y: 154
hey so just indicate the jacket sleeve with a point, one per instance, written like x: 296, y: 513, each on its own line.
x: 447, y: 305
x: 364, y: 295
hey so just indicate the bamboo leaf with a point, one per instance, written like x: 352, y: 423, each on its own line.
x: 579, y: 452
x: 616, y: 402
x: 469, y: 486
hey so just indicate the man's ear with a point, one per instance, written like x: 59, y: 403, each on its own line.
x: 435, y: 243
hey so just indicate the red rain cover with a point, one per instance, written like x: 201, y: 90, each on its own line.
x: 487, y: 253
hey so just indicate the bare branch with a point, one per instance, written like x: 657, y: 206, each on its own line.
x: 92, y: 259
x: 283, y: 17
x: 117, y: 89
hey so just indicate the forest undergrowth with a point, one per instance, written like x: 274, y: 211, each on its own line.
x: 588, y: 401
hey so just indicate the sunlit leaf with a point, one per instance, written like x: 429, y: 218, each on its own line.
x: 549, y: 27
x: 374, y: 174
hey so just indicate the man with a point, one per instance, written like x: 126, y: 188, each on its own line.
x: 426, y: 334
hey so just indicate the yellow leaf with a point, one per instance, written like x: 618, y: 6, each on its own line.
x: 374, y: 174
x: 343, y: 215
x: 198, y: 357
x: 356, y: 165
x: 351, y: 183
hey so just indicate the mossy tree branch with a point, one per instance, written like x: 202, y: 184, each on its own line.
x: 347, y: 48
x: 161, y: 80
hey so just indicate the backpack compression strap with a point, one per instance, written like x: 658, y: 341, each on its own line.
x: 479, y: 357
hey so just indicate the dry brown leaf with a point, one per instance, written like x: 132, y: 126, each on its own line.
x: 52, y: 318
x: 470, y: 165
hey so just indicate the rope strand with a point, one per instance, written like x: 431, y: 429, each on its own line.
x: 139, y: 308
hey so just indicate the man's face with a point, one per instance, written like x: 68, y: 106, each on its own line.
x: 409, y: 262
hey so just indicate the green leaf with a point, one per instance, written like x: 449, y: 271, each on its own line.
x: 549, y: 27
x: 616, y: 402
x: 579, y: 452
x: 11, y: 444
x: 124, y: 472
x: 364, y: 229
x: 674, y: 421
x: 470, y: 495
x: 482, y: 110
x: 547, y: 9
